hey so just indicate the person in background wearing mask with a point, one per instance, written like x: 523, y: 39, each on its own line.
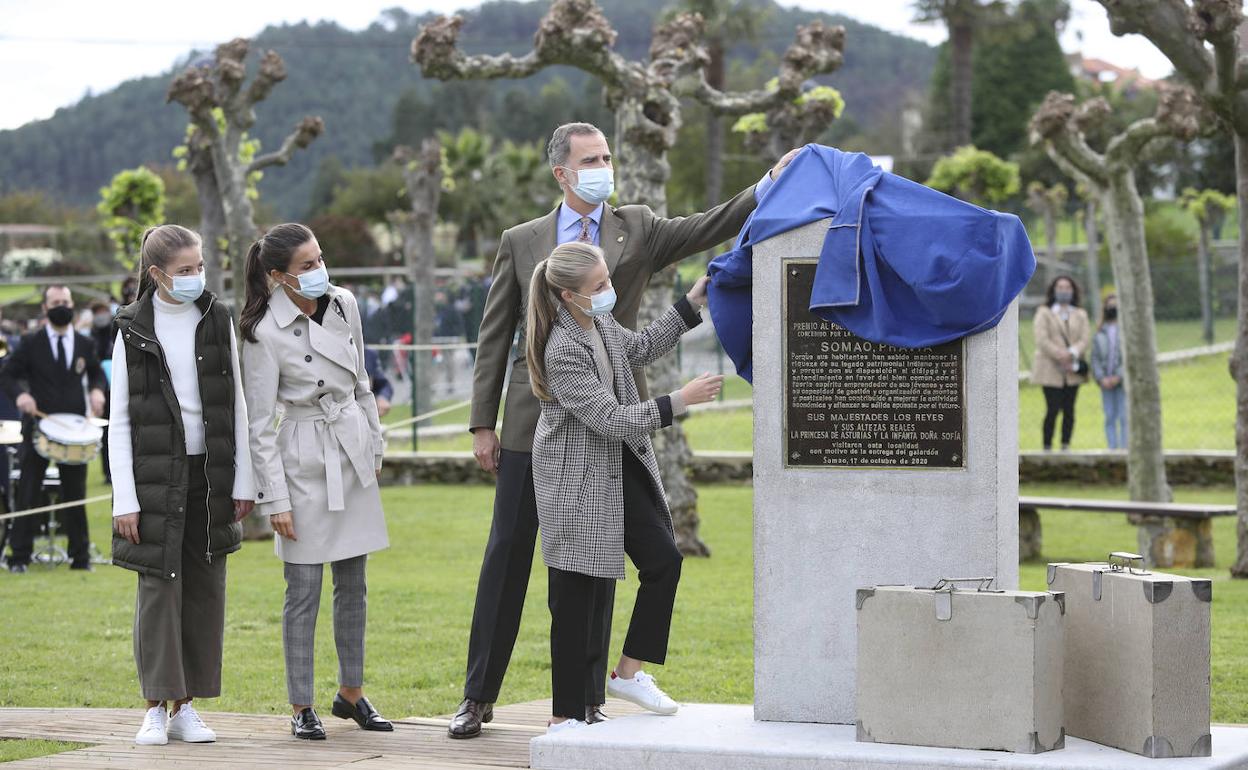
x: 47, y: 374
x: 103, y: 333
x: 129, y: 290
x: 1062, y: 333
x: 316, y: 471
x: 1107, y: 370
x: 636, y: 243
x: 177, y: 503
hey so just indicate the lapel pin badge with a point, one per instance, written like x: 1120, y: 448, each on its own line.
x: 619, y: 239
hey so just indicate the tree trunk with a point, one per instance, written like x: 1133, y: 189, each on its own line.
x: 423, y: 179
x: 644, y: 172
x: 1146, y: 466
x: 1239, y: 363
x: 1050, y: 236
x: 1203, y: 261
x: 714, y: 129
x: 961, y: 41
x: 240, y: 223
x: 1094, y: 257
x: 211, y: 219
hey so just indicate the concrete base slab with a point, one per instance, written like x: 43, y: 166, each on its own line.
x: 715, y: 737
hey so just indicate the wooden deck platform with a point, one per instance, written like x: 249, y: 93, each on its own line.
x: 264, y: 741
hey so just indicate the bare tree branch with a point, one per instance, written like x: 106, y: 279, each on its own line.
x: 573, y: 32
x: 1174, y: 27
x: 817, y: 49
x: 1059, y: 123
x: 308, y: 129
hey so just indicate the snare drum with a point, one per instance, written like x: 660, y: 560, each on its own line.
x: 69, y: 439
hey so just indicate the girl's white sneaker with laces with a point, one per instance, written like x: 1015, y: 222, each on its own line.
x: 155, y: 729
x: 643, y: 691
x: 187, y: 726
x: 567, y: 724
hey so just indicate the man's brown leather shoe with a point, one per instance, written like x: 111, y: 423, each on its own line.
x: 468, y: 720
x: 594, y: 715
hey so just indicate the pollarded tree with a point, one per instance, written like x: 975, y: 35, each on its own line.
x: 1049, y: 203
x: 1061, y: 125
x: 1209, y: 207
x: 790, y: 124
x: 1201, y: 39
x: 643, y: 95
x: 222, y: 159
x: 132, y: 202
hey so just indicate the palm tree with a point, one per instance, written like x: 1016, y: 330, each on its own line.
x: 726, y: 22
x: 961, y: 18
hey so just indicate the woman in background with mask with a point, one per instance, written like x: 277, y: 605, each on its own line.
x: 1062, y: 335
x: 181, y: 478
x: 316, y: 470
x: 1107, y: 370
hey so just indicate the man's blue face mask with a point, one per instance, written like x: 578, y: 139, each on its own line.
x: 593, y: 185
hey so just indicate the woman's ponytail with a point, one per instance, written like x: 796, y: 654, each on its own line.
x: 256, y: 287
x: 539, y: 318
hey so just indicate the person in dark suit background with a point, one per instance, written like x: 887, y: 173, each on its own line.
x: 47, y: 374
x: 383, y: 390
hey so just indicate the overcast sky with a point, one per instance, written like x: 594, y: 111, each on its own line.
x: 52, y: 52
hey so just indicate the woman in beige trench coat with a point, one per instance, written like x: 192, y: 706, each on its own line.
x: 1062, y: 337
x: 316, y: 448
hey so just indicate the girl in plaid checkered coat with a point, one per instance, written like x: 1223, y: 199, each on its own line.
x: 599, y: 495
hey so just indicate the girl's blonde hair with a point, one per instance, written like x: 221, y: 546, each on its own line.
x: 159, y: 245
x: 565, y: 268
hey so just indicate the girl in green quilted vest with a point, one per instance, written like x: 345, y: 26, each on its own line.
x: 182, y: 478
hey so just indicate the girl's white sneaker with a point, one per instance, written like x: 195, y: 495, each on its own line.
x: 155, y: 729
x: 188, y: 727
x: 643, y: 691
x: 567, y: 724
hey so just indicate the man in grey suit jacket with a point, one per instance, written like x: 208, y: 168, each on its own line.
x: 638, y: 243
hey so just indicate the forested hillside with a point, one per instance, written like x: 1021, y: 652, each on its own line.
x: 355, y: 79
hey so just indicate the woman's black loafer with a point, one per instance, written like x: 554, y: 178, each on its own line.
x: 307, y: 725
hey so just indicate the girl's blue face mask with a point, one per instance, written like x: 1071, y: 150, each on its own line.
x: 186, y: 288
x: 599, y: 304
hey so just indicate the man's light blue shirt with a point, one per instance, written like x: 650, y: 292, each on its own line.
x: 569, y: 222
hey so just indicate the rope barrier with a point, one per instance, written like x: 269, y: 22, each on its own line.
x: 430, y: 346
x: 393, y: 426
x: 56, y: 507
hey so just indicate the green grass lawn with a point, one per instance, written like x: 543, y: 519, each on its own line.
x: 69, y: 634
x: 13, y: 750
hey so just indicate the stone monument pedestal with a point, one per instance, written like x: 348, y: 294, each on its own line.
x: 872, y: 466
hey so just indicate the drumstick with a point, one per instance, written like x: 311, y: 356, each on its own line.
x: 45, y: 416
